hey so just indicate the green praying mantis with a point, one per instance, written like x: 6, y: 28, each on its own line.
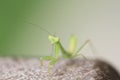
x: 70, y: 54
x: 58, y: 48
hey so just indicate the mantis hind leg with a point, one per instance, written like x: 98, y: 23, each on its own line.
x: 80, y: 54
x: 82, y: 47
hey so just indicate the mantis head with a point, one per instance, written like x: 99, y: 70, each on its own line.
x: 53, y: 39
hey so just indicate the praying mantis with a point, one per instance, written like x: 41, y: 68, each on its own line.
x: 58, y: 48
x: 70, y: 54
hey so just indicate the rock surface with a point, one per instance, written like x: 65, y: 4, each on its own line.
x: 29, y: 69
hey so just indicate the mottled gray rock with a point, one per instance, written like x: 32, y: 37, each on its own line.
x: 77, y: 69
x: 83, y: 69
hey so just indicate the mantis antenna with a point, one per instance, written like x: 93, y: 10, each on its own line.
x: 36, y: 25
x: 41, y: 28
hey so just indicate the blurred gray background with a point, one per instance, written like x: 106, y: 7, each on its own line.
x: 98, y: 20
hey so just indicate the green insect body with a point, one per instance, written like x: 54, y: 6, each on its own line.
x: 65, y: 54
x: 58, y: 46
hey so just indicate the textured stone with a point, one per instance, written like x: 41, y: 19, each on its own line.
x: 77, y: 69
